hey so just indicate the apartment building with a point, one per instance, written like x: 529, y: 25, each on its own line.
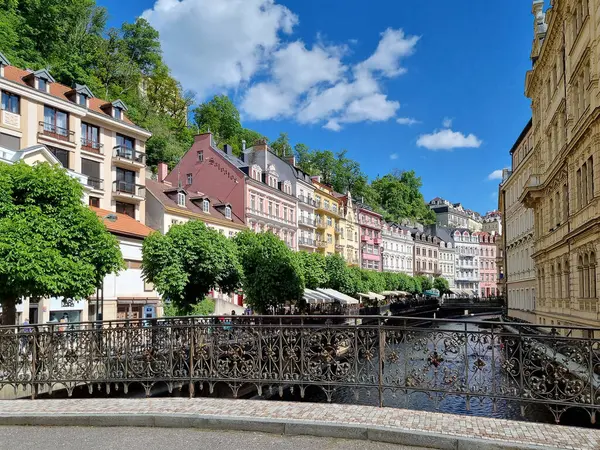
x: 487, y: 264
x: 349, y: 237
x: 370, y: 225
x: 426, y: 248
x: 328, y: 218
x: 466, y: 262
x: 562, y: 189
x: 94, y: 140
x: 397, y: 249
x: 517, y: 241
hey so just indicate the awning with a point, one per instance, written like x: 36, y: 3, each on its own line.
x: 377, y: 296
x: 339, y: 296
x: 369, y: 296
x: 313, y: 297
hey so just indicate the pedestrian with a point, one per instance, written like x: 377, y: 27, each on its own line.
x: 24, y: 338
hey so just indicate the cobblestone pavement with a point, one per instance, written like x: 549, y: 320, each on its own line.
x: 551, y: 436
x: 89, y: 438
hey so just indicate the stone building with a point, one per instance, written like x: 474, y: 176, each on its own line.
x: 563, y: 86
x: 518, y: 274
x: 492, y: 222
x: 426, y: 248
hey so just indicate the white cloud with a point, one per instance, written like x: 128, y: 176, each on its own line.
x: 447, y: 122
x: 214, y: 45
x: 495, y: 175
x: 394, y: 156
x: 407, y: 121
x: 447, y: 140
x: 332, y: 125
x: 393, y: 46
x: 241, y: 45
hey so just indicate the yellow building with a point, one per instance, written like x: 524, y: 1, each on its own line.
x: 563, y: 86
x: 328, y: 218
x: 348, y: 237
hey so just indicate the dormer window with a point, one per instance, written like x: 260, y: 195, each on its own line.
x: 81, y: 99
x: 228, y: 212
x: 189, y: 178
x: 200, y: 156
x: 181, y: 198
x: 118, y: 113
x: 42, y: 85
x: 205, y: 206
x: 3, y: 62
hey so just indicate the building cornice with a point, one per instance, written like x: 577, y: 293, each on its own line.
x: 203, y: 218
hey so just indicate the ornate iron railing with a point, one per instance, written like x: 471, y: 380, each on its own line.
x: 387, y: 357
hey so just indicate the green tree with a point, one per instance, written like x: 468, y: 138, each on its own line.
x: 141, y: 45
x: 281, y: 146
x: 340, y: 277
x: 204, y: 308
x: 400, y: 197
x: 188, y: 262
x: 221, y: 117
x: 51, y: 245
x: 442, y: 285
x: 314, y: 269
x: 272, y: 275
x: 424, y: 283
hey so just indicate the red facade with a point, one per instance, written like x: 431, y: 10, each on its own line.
x: 211, y: 174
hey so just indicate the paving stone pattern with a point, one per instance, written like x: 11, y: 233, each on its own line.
x: 505, y: 431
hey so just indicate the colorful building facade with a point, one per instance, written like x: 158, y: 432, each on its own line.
x: 328, y: 216
x: 370, y: 225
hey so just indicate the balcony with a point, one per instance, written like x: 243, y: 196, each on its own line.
x: 338, y: 229
x: 533, y: 190
x: 127, y: 190
x: 56, y: 133
x: 377, y: 241
x: 271, y: 217
x: 128, y: 157
x: 321, y: 224
x: 96, y: 184
x: 339, y: 248
x: 307, y: 221
x: 307, y: 200
x: 307, y: 242
x: 321, y: 244
x: 90, y: 146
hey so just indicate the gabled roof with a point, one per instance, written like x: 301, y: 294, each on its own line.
x: 119, y: 104
x: 82, y: 89
x: 123, y: 225
x: 160, y: 190
x: 42, y: 73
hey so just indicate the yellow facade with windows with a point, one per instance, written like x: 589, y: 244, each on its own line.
x: 562, y: 189
x: 328, y: 218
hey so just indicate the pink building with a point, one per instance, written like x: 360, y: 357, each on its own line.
x: 370, y: 224
x: 487, y: 264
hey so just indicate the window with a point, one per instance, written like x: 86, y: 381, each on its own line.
x: 56, y: 121
x: 92, y: 170
x: 205, y: 205
x: 118, y: 113
x: 228, y: 213
x: 125, y: 208
x: 231, y: 234
x: 42, y: 84
x: 200, y: 156
x: 253, y: 202
x: 90, y: 137
x: 94, y: 201
x: 125, y: 180
x: 10, y: 142
x: 61, y: 155
x: 189, y: 178
x: 125, y: 141
x: 329, y: 238
x: 10, y: 102
x: 82, y: 99
x: 181, y: 199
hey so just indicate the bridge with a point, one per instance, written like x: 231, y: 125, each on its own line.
x: 382, y: 361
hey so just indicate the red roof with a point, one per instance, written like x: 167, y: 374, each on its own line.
x: 124, y: 225
x: 58, y: 90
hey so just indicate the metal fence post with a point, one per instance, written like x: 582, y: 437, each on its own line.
x: 381, y: 358
x: 192, y: 330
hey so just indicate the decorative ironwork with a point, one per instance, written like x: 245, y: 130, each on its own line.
x: 495, y: 363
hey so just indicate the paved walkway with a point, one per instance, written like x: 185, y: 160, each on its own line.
x: 77, y: 438
x: 394, y: 425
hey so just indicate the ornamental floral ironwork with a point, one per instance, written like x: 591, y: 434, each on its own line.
x: 378, y: 358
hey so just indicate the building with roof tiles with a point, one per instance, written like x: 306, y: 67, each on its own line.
x: 446, y: 254
x: 488, y: 286
x: 94, y: 140
x: 425, y: 257
x: 454, y: 215
x: 349, y: 235
x: 86, y: 134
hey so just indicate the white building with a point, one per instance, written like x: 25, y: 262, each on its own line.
x: 466, y: 262
x: 446, y: 264
x: 398, y: 246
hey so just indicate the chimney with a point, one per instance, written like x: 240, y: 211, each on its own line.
x: 316, y: 178
x: 228, y: 149
x: 290, y: 159
x: 260, y: 145
x: 163, y: 171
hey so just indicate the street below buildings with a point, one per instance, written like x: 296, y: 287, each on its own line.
x: 90, y: 438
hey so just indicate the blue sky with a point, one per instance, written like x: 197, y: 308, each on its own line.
x: 349, y: 74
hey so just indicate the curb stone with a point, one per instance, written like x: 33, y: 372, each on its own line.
x: 265, y: 425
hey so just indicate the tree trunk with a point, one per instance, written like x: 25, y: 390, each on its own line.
x: 9, y: 311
